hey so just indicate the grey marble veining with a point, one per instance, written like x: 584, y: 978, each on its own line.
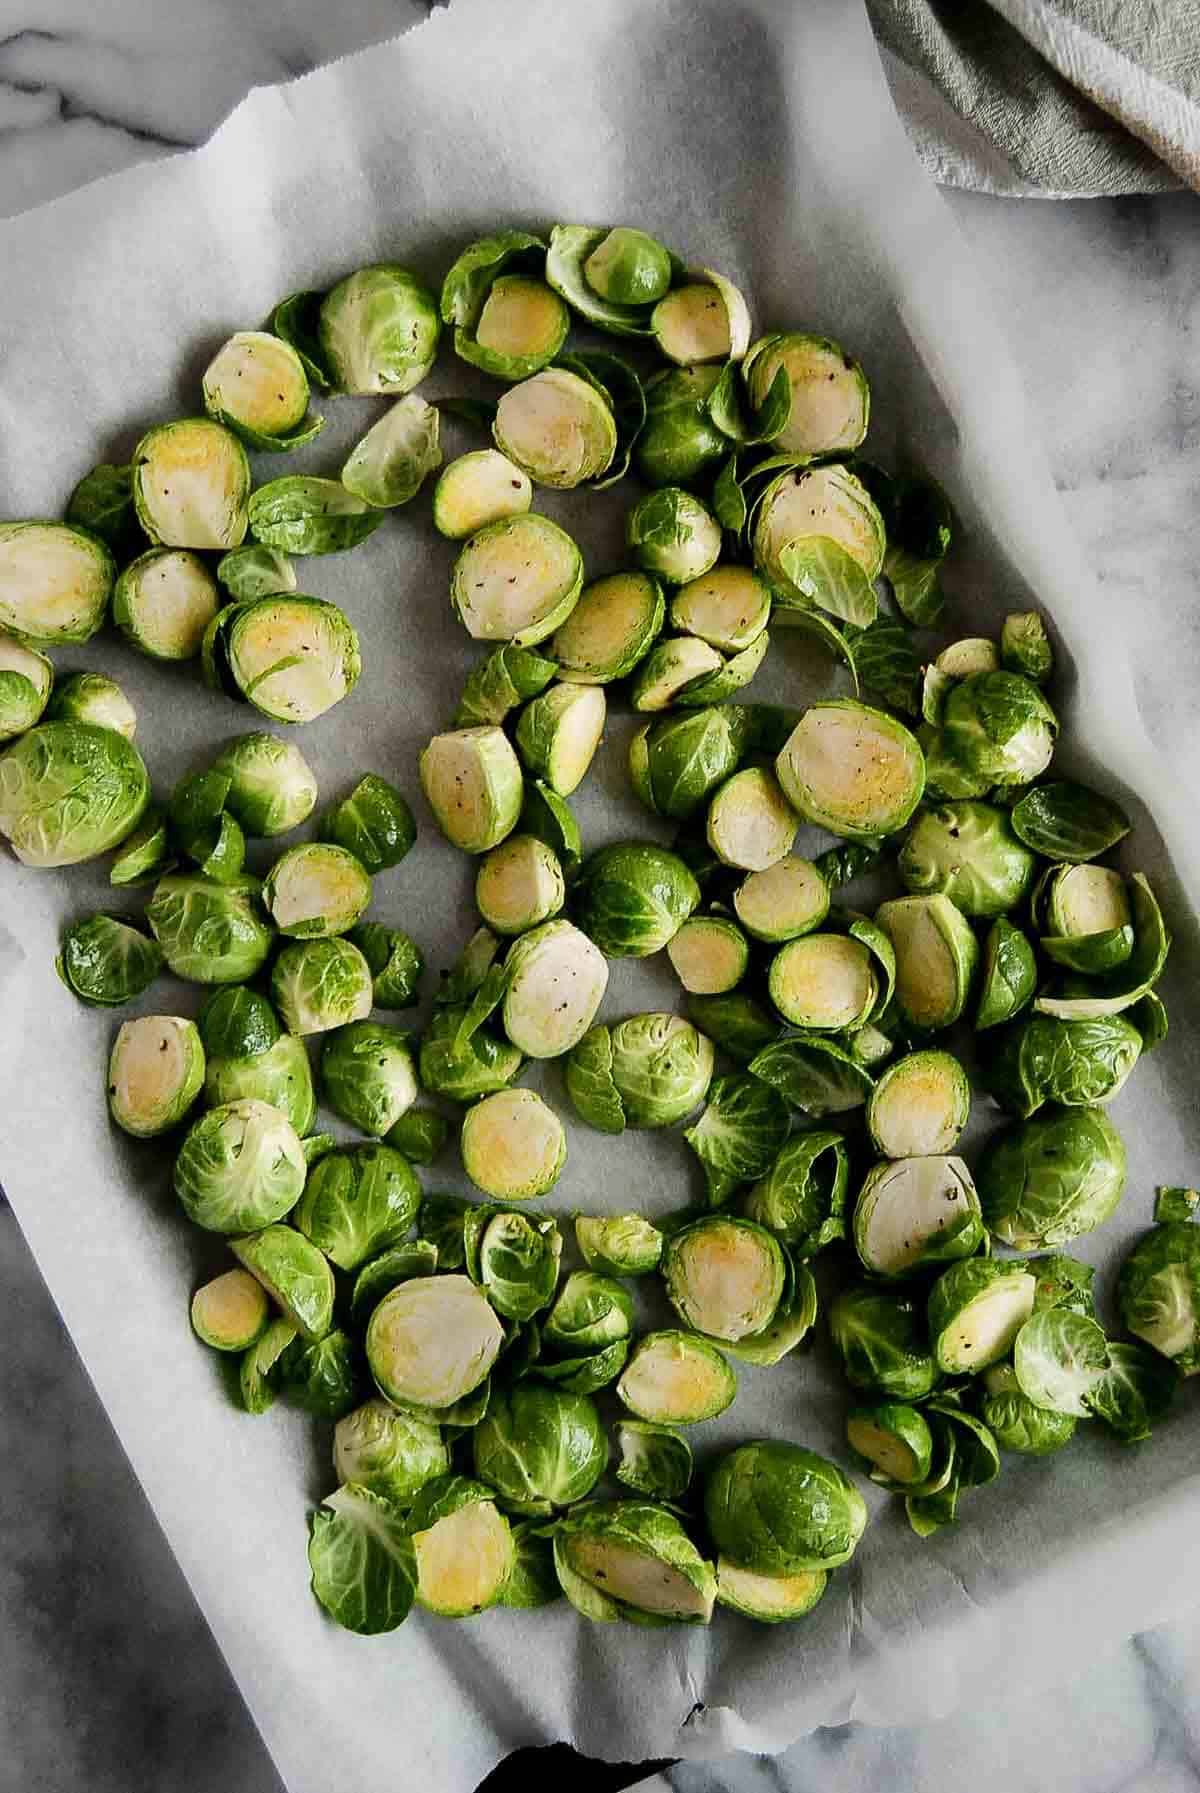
x: 109, y: 1679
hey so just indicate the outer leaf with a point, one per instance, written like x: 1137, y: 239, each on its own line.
x: 739, y: 1135
x: 364, y: 1567
x: 830, y: 578
x: 814, y: 1074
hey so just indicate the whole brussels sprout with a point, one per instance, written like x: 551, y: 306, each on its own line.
x: 679, y: 441
x: 778, y: 1508
x: 1076, y: 1063
x: 235, y: 1022
x: 1060, y: 1358
x: 70, y: 791
x: 969, y: 852
x: 677, y: 762
x: 320, y: 984
x: 628, y: 267
x: 673, y: 535
x: 393, y: 1454
x: 241, y: 1166
x: 374, y: 823
x: 1015, y: 1423
x: 632, y: 897
x: 1159, y: 1292
x: 1051, y: 1178
x: 280, y: 1075
x: 647, y: 1071
x: 540, y: 1449
x: 883, y: 1343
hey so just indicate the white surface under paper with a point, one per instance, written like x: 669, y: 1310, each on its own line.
x: 761, y: 142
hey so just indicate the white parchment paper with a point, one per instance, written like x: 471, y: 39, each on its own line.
x: 760, y: 141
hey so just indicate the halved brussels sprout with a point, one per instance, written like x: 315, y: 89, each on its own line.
x: 513, y: 1145
x: 724, y: 1277
x: 477, y: 489
x: 677, y: 1379
x: 998, y: 726
x: 771, y: 1599
x: 920, y: 1106
x: 1013, y: 1420
x: 396, y: 963
x: 655, y: 1460
x: 963, y: 659
x: 1009, y: 975
x: 673, y: 535
x: 1130, y: 983
x: 824, y: 983
x: 464, y: 1547
x: 590, y: 1313
x: 633, y: 1560
x: 1068, y: 821
x: 558, y: 733
x: 936, y: 956
x: 432, y: 1340
x: 379, y: 330
x: 519, y: 884
x: 271, y: 786
x: 633, y: 897
x: 784, y: 901
x: 240, y: 1166
x: 802, y: 1197
x: 516, y: 580
x: 895, y: 1440
x: 818, y: 540
x: 391, y: 463
x: 367, y: 1076
x: 155, y: 1073
x: 1025, y: 646
x: 557, y: 427
x: 651, y: 1071
x: 279, y: 1075
x: 969, y: 852
x: 674, y: 665
x: 363, y: 1561
x: 919, y: 1212
x: 230, y: 1312
x: 520, y: 329
x: 210, y: 933
x: 883, y: 1343
x: 25, y: 680
x: 106, y: 962
x: 292, y: 658
x: 319, y: 984
x: 1159, y: 1292
x: 255, y: 572
x: 852, y: 769
x: 191, y: 485
x: 555, y: 979
x: 256, y: 385
x: 102, y: 504
x: 728, y: 607
x: 976, y: 1310
x: 86, y: 697
x: 619, y: 1244
x: 55, y: 582
x: 358, y: 1201
x: 1075, y: 1063
x: 676, y: 763
x: 472, y: 781
x: 704, y: 319
x: 751, y: 825
x: 70, y: 791
x: 1086, y: 912
x: 610, y: 629
x: 1052, y: 1178
x: 679, y: 440
x: 779, y: 1509
x: 316, y: 889
x: 294, y: 1274
x: 467, y: 1069
x: 301, y: 513
x: 570, y: 247
x: 540, y: 1449
x: 391, y: 1453
x: 830, y: 398
x: 709, y: 954
x: 507, y: 677
x: 1060, y: 1358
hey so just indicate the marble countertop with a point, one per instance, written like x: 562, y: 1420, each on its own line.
x: 108, y: 1676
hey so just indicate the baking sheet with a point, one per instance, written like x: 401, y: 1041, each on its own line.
x: 759, y: 140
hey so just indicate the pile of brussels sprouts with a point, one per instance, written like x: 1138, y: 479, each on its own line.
x: 825, y: 1059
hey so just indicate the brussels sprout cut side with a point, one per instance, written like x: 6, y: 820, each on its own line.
x: 917, y: 1212
x: 191, y: 485
x: 724, y: 1277
x: 55, y: 582
x: 477, y: 489
x: 751, y: 824
x: 432, y: 1341
x: 558, y: 733
x: 829, y: 398
x: 513, y: 1145
x: 555, y: 979
x: 257, y: 386
x: 230, y: 1312
x: 677, y: 1379
x: 633, y: 1559
x: 824, y: 982
x: 472, y: 782
x: 610, y: 629
x: 85, y: 697
x: 919, y: 1107
x: 292, y: 658
x: 852, y: 770
x: 936, y: 957
x: 976, y: 1310
x: 709, y: 954
x: 516, y: 580
x: 155, y: 1073
x: 557, y: 427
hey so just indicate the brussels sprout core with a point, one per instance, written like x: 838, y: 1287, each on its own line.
x: 919, y: 1107
x: 724, y: 1277
x: 55, y: 582
x: 513, y: 1145
x: 782, y: 902
x: 851, y: 769
x: 610, y: 629
x: 709, y: 954
x: 677, y: 1379
x: 432, y: 1340
x: 917, y: 1212
x: 155, y: 1073
x: 230, y: 1312
x: 517, y: 580
x: 825, y: 982
x: 830, y: 400
x: 751, y: 824
x: 519, y: 884
x: 476, y: 489
x: 191, y: 483
x: 472, y: 780
x: 557, y: 427
x: 316, y: 889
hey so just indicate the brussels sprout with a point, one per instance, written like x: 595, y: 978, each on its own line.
x: 1075, y: 1063
x: 374, y: 823
x: 633, y: 897
x: 392, y: 461
x: 632, y: 1559
x: 936, y: 956
x: 678, y: 762
x: 469, y: 973
x: 70, y: 791
x: 240, y: 1166
x: 591, y: 1311
x: 914, y: 1214
x: 751, y: 824
x: 271, y: 787
x: 1060, y: 1358
x: 571, y: 245
x: 976, y: 1309
x: 610, y: 629
x: 675, y: 1378
x: 1025, y: 646
x: 587, y: 1374
x: 507, y: 677
x: 882, y: 1341
x: 464, y: 1547
x: 323, y: 1377
x: 367, y: 1076
x: 627, y: 267
x: 784, y: 901
x: 540, y: 1449
x: 999, y: 727
x: 55, y: 581
x: 558, y: 733
x: 735, y: 1023
x: 680, y: 441
x: 813, y: 1073
x: 237, y: 1023
x: 1063, y: 1282
x: 740, y: 1134
x: 830, y: 399
x: 102, y: 504
x: 363, y: 1561
x: 1087, y: 912
x: 647, y: 1071
x: 1159, y: 1293
x: 472, y: 782
x: 705, y: 319
x: 823, y: 982
x: 465, y: 1070
x: 83, y: 697
x: 303, y: 514
x: 432, y: 1340
x: 210, y: 933
x: 655, y: 1461
x: 802, y: 1196
x: 818, y: 541
x: 155, y: 1073
x: 516, y: 580
x: 513, y: 1257
x: 728, y: 607
x: 969, y: 852
x: 727, y: 679
x: 1172, y: 1203
x: 1131, y: 982
x: 477, y: 489
x: 673, y: 666
x: 778, y: 1509
x: 25, y: 680
x: 513, y: 1145
x: 1052, y: 1178
x: 379, y: 330
x: 919, y: 1107
x: 1134, y: 1392
x: 852, y: 770
x: 255, y: 572
x: 519, y: 330
x: 316, y: 890
x: 709, y: 954
x: 557, y: 427
x: 554, y: 981
x: 196, y: 814
x: 771, y: 1599
x: 1068, y: 821
x: 894, y: 1440
x: 532, y: 1581
x: 392, y: 1454
x: 358, y: 1201
x: 191, y: 483
x: 107, y: 962
x: 279, y: 1075
x: 293, y: 658
x: 231, y: 1312
x: 261, y: 1369
x: 725, y: 1277
x: 256, y: 386
x: 619, y: 1244
x: 319, y: 984
x: 380, y: 1274
x: 419, y: 1134
x: 963, y: 659
x: 1015, y: 1423
x: 1009, y: 976
x: 673, y: 535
